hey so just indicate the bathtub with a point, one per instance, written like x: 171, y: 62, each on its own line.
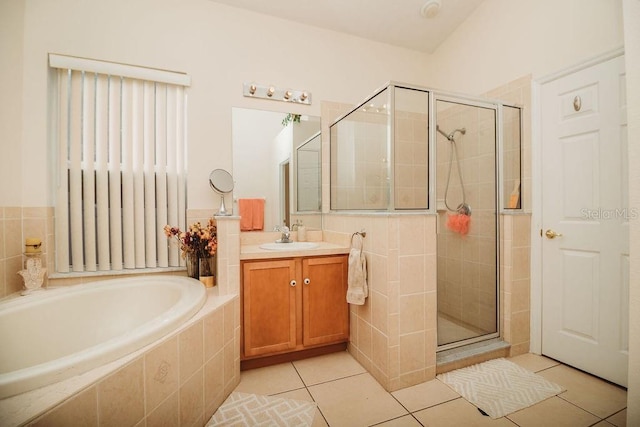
x: 49, y: 336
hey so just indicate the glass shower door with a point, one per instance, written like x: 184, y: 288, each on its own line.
x: 466, y: 197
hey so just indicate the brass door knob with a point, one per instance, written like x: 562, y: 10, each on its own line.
x: 552, y: 234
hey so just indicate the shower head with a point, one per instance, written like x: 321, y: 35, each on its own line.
x: 461, y: 130
x: 449, y: 136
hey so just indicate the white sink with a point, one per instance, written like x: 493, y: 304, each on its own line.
x: 293, y: 246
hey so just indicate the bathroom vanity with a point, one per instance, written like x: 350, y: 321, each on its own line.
x: 293, y: 304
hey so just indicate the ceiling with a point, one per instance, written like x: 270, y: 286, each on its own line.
x: 395, y: 22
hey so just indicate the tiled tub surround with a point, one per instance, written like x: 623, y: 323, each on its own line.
x: 180, y: 380
x: 89, y: 325
x: 204, y: 352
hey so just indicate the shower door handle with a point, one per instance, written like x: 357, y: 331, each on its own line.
x: 552, y: 234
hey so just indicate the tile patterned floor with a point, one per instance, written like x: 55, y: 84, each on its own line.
x: 348, y: 396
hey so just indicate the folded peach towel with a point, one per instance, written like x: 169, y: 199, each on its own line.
x: 251, y: 214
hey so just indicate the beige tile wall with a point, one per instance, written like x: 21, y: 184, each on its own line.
x: 16, y: 225
x: 515, y: 286
x: 179, y: 382
x: 394, y: 334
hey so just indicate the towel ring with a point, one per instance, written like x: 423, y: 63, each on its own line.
x: 362, y: 235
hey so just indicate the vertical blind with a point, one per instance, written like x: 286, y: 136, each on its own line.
x: 121, y: 134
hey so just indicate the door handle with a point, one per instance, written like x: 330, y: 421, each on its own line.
x: 307, y: 281
x: 552, y: 234
x: 293, y: 283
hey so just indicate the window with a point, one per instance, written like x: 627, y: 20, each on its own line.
x: 121, y: 164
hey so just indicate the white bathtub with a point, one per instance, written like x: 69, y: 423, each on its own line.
x: 53, y: 335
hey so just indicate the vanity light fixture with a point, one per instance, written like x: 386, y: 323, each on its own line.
x: 254, y: 90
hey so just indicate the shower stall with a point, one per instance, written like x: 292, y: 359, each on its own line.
x: 413, y: 150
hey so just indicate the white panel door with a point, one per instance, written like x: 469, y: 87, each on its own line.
x: 585, y: 218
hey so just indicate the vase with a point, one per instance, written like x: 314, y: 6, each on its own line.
x: 207, y: 268
x: 192, y: 265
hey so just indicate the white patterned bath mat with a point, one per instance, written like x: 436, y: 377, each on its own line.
x: 250, y: 410
x: 499, y: 387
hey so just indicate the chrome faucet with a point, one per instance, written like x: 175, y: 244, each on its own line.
x: 286, y: 234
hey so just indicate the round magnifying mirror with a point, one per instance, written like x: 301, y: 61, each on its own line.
x: 222, y: 183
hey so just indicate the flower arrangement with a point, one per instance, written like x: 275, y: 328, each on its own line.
x: 197, y: 240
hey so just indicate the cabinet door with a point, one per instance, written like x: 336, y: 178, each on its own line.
x: 269, y: 307
x: 324, y: 295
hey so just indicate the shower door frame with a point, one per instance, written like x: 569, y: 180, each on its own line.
x: 496, y: 106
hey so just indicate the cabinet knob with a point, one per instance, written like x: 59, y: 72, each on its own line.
x: 292, y: 283
x: 307, y: 281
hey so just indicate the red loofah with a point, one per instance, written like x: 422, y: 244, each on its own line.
x: 459, y: 223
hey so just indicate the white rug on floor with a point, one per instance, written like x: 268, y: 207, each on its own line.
x: 243, y: 409
x: 499, y: 387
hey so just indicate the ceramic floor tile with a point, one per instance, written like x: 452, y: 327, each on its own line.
x: 425, y: 395
x: 587, y: 392
x: 406, y: 421
x: 355, y: 401
x: 456, y: 413
x: 534, y: 362
x: 270, y: 380
x: 553, y: 412
x: 619, y: 419
x: 328, y: 368
x: 303, y: 394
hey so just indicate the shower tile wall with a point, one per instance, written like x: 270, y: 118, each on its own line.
x: 516, y: 232
x: 362, y: 180
x: 467, y: 264
x: 411, y: 160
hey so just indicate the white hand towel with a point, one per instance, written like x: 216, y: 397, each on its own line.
x: 357, y: 280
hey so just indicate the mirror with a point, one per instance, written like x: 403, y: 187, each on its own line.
x: 222, y: 183
x: 308, y: 175
x: 265, y: 163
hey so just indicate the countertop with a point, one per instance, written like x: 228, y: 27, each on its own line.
x: 250, y: 252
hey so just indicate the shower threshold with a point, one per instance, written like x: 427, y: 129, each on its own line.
x: 467, y: 355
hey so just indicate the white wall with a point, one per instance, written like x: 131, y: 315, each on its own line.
x: 505, y: 39
x: 219, y: 46
x: 11, y: 17
x: 632, y: 62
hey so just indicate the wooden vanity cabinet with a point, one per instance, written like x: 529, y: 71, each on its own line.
x: 293, y: 304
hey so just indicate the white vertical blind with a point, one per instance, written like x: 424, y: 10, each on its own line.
x: 128, y: 229
x: 161, y: 169
x: 88, y: 169
x: 121, y: 170
x: 138, y: 171
x: 62, y: 195
x: 74, y: 121
x: 102, y: 173
x: 115, y: 167
x: 149, y: 173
